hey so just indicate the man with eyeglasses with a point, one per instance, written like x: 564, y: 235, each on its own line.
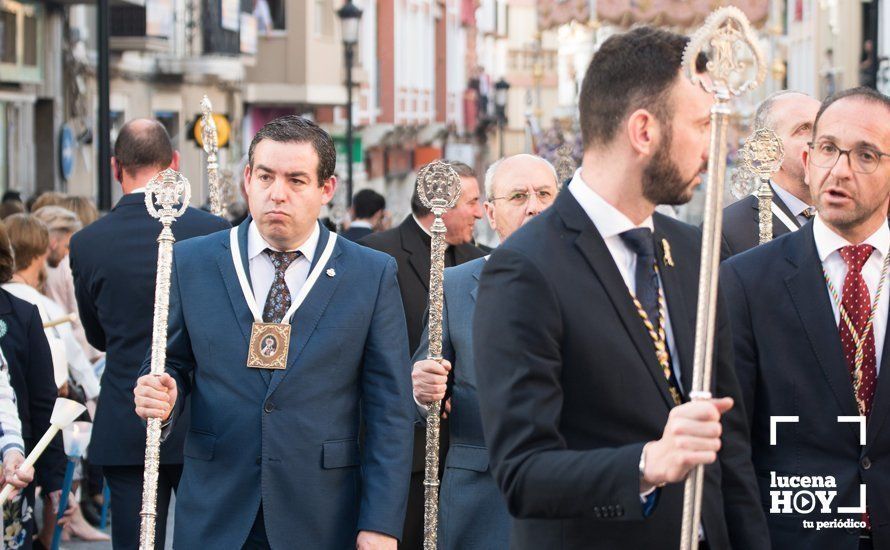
x: 472, y: 512
x: 809, y: 321
x: 790, y: 115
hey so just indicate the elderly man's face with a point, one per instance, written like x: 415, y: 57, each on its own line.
x: 522, y: 188
x: 59, y: 243
x: 793, y: 116
x: 460, y: 220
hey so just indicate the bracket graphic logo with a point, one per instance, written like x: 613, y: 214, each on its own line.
x: 807, y: 494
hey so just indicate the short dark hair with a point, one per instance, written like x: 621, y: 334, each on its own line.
x: 141, y: 144
x: 297, y: 129
x: 367, y: 202
x: 863, y: 93
x: 463, y: 170
x: 630, y: 71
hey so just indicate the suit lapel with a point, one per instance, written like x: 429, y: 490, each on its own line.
x: 476, y: 273
x: 594, y: 250
x: 677, y: 310
x: 806, y: 285
x: 306, y: 318
x: 419, y: 252
x: 880, y: 408
x: 243, y: 315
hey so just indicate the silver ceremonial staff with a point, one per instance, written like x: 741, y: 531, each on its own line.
x: 171, y: 191
x: 210, y: 139
x: 438, y: 187
x: 762, y: 155
x: 731, y: 45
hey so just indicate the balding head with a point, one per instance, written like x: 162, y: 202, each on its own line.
x: 519, y: 188
x: 790, y: 115
x: 143, y: 147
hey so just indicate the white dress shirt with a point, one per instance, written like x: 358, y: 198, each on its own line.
x: 610, y: 223
x: 360, y: 223
x: 262, y: 271
x: 794, y: 204
x: 827, y: 244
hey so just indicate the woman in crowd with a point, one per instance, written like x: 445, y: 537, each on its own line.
x: 29, y: 365
x: 30, y: 240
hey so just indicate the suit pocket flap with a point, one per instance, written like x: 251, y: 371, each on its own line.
x: 468, y: 457
x: 199, y: 445
x: 340, y: 454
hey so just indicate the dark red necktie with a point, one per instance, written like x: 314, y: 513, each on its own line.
x: 857, y: 304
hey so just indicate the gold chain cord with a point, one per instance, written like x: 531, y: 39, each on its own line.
x: 858, y: 341
x: 658, y: 338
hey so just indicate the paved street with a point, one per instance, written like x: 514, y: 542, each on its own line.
x: 79, y: 545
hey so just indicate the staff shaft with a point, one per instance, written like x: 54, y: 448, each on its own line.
x: 431, y: 473
x: 765, y: 211
x: 706, y: 311
x: 158, y: 361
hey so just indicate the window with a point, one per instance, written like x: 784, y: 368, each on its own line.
x: 8, y: 27
x: 170, y: 121
x: 270, y: 15
x: 21, y: 28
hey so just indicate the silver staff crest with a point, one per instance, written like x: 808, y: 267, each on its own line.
x: 167, y: 195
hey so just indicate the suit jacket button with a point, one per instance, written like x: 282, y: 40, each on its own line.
x: 269, y: 407
x: 259, y: 460
x: 866, y: 463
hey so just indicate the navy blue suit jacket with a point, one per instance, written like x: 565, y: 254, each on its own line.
x: 114, y: 262
x: 472, y: 512
x: 790, y: 362
x: 289, y: 439
x: 31, y: 375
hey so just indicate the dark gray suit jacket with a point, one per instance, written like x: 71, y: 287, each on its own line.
x: 741, y: 224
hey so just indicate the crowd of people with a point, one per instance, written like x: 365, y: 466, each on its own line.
x: 298, y: 369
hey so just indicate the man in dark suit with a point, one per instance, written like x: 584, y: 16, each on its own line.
x: 800, y: 309
x: 368, y: 211
x: 272, y: 456
x: 472, y: 513
x: 114, y: 262
x: 585, y: 326
x: 790, y: 115
x: 409, y: 244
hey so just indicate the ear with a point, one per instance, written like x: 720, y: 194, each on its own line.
x: 805, y: 156
x: 174, y: 164
x: 489, y: 214
x: 116, y: 171
x: 328, y: 189
x: 643, y: 132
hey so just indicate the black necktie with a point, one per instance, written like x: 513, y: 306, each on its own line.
x: 641, y: 243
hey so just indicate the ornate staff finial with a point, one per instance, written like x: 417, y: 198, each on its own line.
x: 210, y: 139
x: 731, y: 45
x: 438, y: 187
x: 170, y: 191
x: 763, y: 156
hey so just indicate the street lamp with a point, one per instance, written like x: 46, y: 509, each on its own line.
x: 350, y: 15
x: 501, y: 87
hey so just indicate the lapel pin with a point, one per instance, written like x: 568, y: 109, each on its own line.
x: 330, y: 272
x: 666, y: 247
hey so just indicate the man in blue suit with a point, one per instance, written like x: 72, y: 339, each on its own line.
x: 114, y: 262
x: 272, y: 457
x: 473, y: 514
x: 802, y: 308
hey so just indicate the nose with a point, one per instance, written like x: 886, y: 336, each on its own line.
x: 534, y: 205
x: 276, y: 190
x: 842, y: 168
x: 477, y: 211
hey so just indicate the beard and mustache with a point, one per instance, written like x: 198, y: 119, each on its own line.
x: 662, y: 181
